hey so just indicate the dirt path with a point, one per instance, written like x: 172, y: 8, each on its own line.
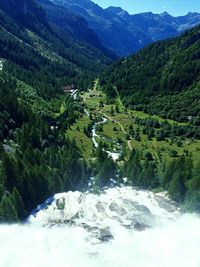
x: 95, y: 87
x: 121, y: 126
x: 129, y: 145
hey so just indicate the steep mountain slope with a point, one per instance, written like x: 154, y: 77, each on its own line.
x: 33, y: 49
x: 36, y: 158
x: 72, y: 25
x: 123, y: 33
x: 163, y: 78
x: 25, y: 12
x: 36, y: 60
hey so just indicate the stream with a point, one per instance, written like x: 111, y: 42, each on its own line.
x: 112, y: 154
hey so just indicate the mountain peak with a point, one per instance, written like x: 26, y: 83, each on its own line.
x: 192, y: 14
x: 165, y: 13
x: 123, y: 33
x: 114, y: 10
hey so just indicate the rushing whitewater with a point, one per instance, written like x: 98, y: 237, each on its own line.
x: 121, y: 227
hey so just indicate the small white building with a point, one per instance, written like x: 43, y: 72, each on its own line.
x: 1, y: 64
x: 72, y: 90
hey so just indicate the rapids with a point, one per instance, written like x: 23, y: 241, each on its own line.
x: 112, y: 154
x: 121, y: 227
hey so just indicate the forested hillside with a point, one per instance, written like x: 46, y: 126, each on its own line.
x: 39, y: 54
x: 36, y: 160
x: 72, y: 25
x: 162, y: 79
x: 36, y: 60
x: 50, y: 143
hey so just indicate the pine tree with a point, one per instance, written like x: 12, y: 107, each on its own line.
x: 10, y: 172
x: 168, y: 173
x: 18, y: 204
x: 8, y: 212
x: 194, y: 183
x: 149, y: 178
x: 132, y: 168
x: 106, y: 168
x: 2, y: 190
x: 1, y: 148
x: 177, y: 188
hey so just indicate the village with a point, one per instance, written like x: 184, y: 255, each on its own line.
x: 72, y: 90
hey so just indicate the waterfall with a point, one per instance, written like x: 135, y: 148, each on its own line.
x: 120, y: 227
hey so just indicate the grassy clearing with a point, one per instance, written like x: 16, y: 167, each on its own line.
x: 92, y: 100
x: 83, y: 142
x: 142, y: 115
x: 113, y: 131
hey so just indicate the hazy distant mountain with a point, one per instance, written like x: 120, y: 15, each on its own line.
x: 72, y: 25
x: 123, y: 33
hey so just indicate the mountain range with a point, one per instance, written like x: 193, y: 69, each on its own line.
x: 123, y: 33
x: 46, y: 45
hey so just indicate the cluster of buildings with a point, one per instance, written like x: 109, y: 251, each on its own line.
x: 71, y: 89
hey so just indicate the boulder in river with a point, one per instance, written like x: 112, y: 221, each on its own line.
x: 105, y: 235
x: 141, y: 227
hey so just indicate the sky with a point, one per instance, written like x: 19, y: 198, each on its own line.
x: 174, y: 7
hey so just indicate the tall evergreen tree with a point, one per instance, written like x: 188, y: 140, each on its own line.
x: 8, y: 211
x: 18, y: 204
x: 10, y: 172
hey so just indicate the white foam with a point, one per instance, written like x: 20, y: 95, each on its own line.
x: 119, y: 205
x: 174, y: 242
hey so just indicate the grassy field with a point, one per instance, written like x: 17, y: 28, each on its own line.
x: 117, y: 128
x: 83, y: 142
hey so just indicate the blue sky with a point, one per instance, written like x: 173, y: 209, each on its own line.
x: 174, y: 7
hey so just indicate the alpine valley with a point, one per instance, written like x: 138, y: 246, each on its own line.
x: 99, y: 153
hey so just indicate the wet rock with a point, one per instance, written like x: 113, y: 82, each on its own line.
x: 143, y: 209
x: 116, y: 208
x: 100, y: 207
x: 129, y: 202
x: 168, y: 205
x: 91, y: 229
x: 61, y: 222
x: 105, y: 235
x: 127, y: 226
x: 141, y: 227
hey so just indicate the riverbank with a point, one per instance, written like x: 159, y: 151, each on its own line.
x: 129, y: 128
